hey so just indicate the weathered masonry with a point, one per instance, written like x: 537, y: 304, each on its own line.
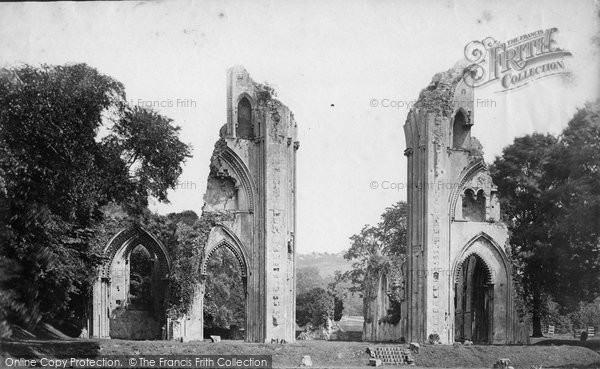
x: 252, y: 187
x: 253, y: 179
x: 459, y: 281
x: 456, y: 282
x: 114, y: 315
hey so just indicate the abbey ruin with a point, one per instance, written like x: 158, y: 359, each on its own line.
x: 252, y: 184
x: 456, y: 283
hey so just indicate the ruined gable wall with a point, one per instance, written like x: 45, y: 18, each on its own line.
x: 252, y: 179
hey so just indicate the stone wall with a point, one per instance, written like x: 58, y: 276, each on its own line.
x: 112, y: 315
x: 453, y: 213
x: 253, y: 180
x: 135, y: 325
x: 376, y: 327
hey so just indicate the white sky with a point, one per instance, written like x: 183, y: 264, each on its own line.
x: 316, y: 53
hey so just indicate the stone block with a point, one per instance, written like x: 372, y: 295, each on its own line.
x: 414, y: 347
x: 306, y: 361
x: 502, y: 364
x: 375, y: 362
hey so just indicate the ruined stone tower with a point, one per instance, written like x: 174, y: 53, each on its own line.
x: 458, y: 275
x: 250, y: 203
x: 252, y: 187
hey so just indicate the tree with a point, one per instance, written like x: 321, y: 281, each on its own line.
x: 375, y: 251
x: 371, y: 249
x: 315, y: 306
x: 338, y: 308
x: 308, y: 278
x: 574, y: 191
x: 224, y: 297
x: 588, y: 314
x: 150, y: 150
x: 56, y: 175
x: 520, y: 174
x: 550, y: 195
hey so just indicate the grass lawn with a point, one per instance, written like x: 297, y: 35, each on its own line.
x: 324, y: 354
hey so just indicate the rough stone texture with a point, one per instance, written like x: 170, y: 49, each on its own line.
x: 377, y: 304
x: 112, y: 314
x: 456, y: 245
x: 253, y: 179
x: 135, y: 325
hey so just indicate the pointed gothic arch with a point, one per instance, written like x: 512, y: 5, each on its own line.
x: 468, y: 173
x: 244, y: 117
x: 232, y: 243
x: 241, y: 174
x: 112, y: 315
x: 480, y: 277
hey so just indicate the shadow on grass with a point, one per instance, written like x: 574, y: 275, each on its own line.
x: 591, y: 344
x: 31, y: 349
x: 573, y: 366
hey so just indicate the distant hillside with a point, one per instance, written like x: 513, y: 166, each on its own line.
x: 326, y: 263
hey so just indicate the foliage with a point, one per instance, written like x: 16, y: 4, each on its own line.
x: 574, y: 176
x: 308, y: 278
x: 264, y: 91
x: 338, y: 308
x: 587, y: 315
x: 550, y: 195
x: 224, y: 297
x: 371, y: 248
x: 378, y: 251
x: 149, y: 146
x: 521, y: 179
x: 140, y: 293
x: 345, y: 303
x: 315, y: 307
x: 185, y: 244
x: 56, y: 175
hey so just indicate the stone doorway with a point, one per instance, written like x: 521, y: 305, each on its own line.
x: 225, y: 298
x: 473, y: 302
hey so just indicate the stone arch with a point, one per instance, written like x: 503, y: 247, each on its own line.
x: 482, y: 293
x: 234, y: 249
x: 473, y: 204
x: 129, y: 238
x: 468, y: 173
x: 221, y: 236
x: 241, y: 174
x: 244, y: 117
x: 111, y: 317
x: 491, y: 254
x: 488, y: 270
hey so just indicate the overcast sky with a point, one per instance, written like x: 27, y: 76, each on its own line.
x: 328, y: 60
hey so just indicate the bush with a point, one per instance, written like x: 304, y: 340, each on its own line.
x: 315, y: 306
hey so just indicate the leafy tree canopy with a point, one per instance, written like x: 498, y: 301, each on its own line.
x: 56, y: 175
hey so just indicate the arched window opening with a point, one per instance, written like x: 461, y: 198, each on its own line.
x: 224, y: 297
x: 245, y: 128
x: 473, y: 206
x: 460, y: 131
x: 137, y: 292
x: 141, y: 270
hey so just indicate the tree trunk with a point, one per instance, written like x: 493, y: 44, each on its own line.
x: 537, y: 313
